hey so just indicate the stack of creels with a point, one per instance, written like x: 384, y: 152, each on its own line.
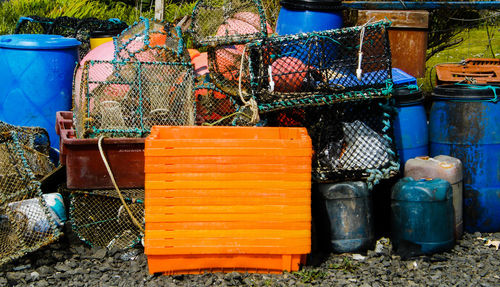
x: 142, y: 78
x: 25, y: 220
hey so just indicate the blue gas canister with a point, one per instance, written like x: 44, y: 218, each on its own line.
x: 349, y: 209
x: 422, y: 215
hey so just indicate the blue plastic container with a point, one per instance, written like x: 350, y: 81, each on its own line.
x: 36, y: 79
x: 410, y: 125
x: 302, y: 16
x: 464, y: 123
x: 349, y: 209
x: 422, y: 216
x: 400, y: 78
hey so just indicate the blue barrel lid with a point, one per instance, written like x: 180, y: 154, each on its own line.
x: 314, y: 5
x: 406, y: 96
x: 37, y: 42
x: 344, y: 190
x: 464, y: 92
x: 408, y: 189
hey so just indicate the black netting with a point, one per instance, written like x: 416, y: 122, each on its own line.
x: 321, y: 67
x: 351, y: 140
x: 69, y: 27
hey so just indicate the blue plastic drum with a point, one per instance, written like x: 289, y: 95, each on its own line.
x: 308, y: 16
x: 304, y: 16
x: 465, y: 123
x: 410, y: 125
x: 36, y: 79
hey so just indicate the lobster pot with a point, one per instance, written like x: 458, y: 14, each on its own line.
x: 225, y: 27
x: 26, y: 222
x: 128, y: 98
x: 319, y: 68
x: 81, y: 29
x: 352, y: 140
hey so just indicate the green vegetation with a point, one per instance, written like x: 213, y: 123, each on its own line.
x: 307, y: 275
x: 482, y: 42
x: 11, y: 11
x: 347, y: 265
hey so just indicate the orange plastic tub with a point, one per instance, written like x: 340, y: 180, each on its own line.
x: 227, y: 199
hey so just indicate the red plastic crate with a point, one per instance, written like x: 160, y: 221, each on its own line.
x: 84, y: 166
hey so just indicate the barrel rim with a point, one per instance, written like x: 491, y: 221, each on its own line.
x: 37, y: 42
x: 313, y: 5
x: 407, y: 96
x: 466, y: 92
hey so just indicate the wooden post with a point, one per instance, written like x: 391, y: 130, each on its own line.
x: 159, y: 9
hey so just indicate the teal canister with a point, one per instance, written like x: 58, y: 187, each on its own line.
x: 349, y: 209
x: 422, y: 215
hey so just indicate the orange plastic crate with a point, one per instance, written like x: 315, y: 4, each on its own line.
x: 227, y: 199
x: 482, y: 71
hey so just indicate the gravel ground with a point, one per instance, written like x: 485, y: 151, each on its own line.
x: 69, y: 262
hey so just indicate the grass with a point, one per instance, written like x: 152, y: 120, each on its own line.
x: 475, y: 45
x: 11, y: 11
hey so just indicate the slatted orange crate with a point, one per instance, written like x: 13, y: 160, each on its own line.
x: 480, y: 70
x: 227, y: 199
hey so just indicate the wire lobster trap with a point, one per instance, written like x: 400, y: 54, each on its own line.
x: 26, y: 223
x: 319, y: 68
x: 224, y: 27
x: 125, y: 99
x: 351, y: 140
x: 151, y: 40
x: 99, y: 217
x: 36, y: 138
x: 80, y: 29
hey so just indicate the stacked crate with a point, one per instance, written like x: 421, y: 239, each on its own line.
x: 227, y: 199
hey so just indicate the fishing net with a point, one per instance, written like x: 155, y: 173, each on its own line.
x: 149, y: 82
x: 225, y: 27
x: 26, y: 222
x: 351, y: 140
x: 99, y: 218
x: 228, y: 22
x: 319, y: 68
x: 80, y: 29
x: 125, y: 99
x: 36, y: 138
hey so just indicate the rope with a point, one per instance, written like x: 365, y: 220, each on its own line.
x: 493, y: 88
x: 134, y: 220
x: 252, y: 104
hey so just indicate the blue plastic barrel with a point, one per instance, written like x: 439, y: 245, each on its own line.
x: 410, y: 124
x: 422, y: 216
x: 349, y: 209
x: 464, y: 123
x: 36, y: 79
x: 301, y: 16
x: 310, y: 16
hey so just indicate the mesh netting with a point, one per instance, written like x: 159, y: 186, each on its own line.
x: 35, y: 138
x: 225, y: 27
x: 99, y: 218
x: 68, y: 27
x: 128, y: 98
x: 321, y: 67
x: 150, y: 41
x: 351, y: 140
x: 228, y: 22
x: 148, y: 82
x: 26, y: 223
